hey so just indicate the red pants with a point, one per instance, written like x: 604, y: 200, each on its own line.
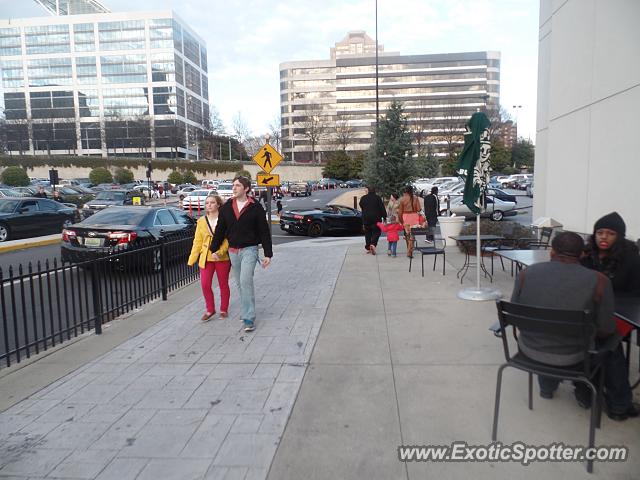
x: 206, y: 281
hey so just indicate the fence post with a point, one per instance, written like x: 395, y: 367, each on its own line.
x: 355, y: 202
x: 163, y: 270
x: 97, y: 304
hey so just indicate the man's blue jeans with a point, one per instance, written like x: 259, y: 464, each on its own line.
x: 243, y: 265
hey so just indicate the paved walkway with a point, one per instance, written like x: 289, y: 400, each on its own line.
x: 398, y: 360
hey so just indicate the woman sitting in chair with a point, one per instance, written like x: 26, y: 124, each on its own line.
x: 615, y: 256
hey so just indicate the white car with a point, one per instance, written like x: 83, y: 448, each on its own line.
x: 496, y: 209
x: 195, y: 200
x: 420, y: 185
x: 225, y: 190
x: 186, y: 191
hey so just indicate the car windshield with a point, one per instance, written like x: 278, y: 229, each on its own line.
x: 106, y: 195
x: 117, y: 216
x: 223, y: 186
x: 8, y: 206
x: 10, y: 192
x: 199, y: 193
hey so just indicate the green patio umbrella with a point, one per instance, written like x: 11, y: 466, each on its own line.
x: 474, y: 165
x: 474, y: 162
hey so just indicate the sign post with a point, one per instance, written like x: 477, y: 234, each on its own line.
x: 268, y: 158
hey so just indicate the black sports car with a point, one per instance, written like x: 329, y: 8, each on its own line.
x: 330, y: 219
x: 118, y: 229
x: 501, y: 195
x: 30, y: 217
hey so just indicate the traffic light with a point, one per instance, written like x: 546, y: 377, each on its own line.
x: 53, y: 177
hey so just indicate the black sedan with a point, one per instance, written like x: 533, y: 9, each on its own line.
x: 31, y: 217
x: 330, y: 219
x: 116, y: 230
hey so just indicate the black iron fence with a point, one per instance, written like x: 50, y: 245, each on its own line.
x: 46, y: 304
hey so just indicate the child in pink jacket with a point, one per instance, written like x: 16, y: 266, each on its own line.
x: 391, y: 229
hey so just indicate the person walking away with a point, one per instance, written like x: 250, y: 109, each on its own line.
x: 279, y: 206
x: 242, y: 221
x: 431, y: 211
x: 392, y: 205
x: 210, y: 265
x: 409, y: 203
x: 373, y: 211
x: 563, y: 283
x: 392, y: 230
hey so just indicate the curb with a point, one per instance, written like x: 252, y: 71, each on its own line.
x: 36, y: 243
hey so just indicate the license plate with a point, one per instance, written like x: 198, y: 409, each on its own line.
x: 93, y: 242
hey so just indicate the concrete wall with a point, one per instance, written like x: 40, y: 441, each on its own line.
x: 587, y: 158
x: 287, y: 173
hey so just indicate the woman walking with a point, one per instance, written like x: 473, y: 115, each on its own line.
x: 409, y: 203
x: 210, y: 265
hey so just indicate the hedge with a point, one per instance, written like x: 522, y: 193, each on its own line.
x: 30, y: 162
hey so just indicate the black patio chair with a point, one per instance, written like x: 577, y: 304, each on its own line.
x: 504, y: 244
x: 563, y: 323
x: 544, y: 240
x: 436, y: 248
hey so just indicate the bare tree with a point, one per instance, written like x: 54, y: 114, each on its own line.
x: 315, y: 128
x: 344, y: 132
x: 253, y: 144
x: 240, y: 127
x: 214, y: 123
x: 419, y: 124
x: 275, y: 132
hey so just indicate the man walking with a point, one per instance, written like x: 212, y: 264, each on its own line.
x: 431, y: 210
x: 563, y: 283
x: 373, y: 211
x: 243, y: 223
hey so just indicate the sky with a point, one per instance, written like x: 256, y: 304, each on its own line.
x: 248, y: 39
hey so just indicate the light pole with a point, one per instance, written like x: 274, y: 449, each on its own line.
x: 517, y: 109
x: 377, y: 100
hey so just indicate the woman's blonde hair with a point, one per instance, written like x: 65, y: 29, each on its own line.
x: 217, y: 198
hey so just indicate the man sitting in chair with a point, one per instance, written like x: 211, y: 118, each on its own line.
x: 563, y: 283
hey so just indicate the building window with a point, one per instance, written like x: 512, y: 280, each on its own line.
x: 49, y: 71
x: 177, y: 36
x: 47, y: 39
x: 10, y: 42
x: 12, y: 73
x: 84, y: 37
x: 86, y: 70
x: 191, y: 48
x: 124, y: 69
x: 192, y: 78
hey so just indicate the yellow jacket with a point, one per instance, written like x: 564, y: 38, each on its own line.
x: 201, y: 242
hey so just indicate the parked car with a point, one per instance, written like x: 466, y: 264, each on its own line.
x: 327, y: 183
x: 354, y: 183
x: 496, y: 209
x: 502, y: 195
x: 196, y: 200
x: 530, y: 190
x: 225, y: 190
x: 11, y: 192
x: 26, y: 191
x: 299, y: 188
x: 514, y: 180
x: 109, y: 198
x: 186, y: 190
x: 118, y: 229
x: 30, y: 217
x: 421, y: 184
x: 316, y: 222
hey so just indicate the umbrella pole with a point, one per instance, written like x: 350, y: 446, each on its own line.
x: 479, y: 293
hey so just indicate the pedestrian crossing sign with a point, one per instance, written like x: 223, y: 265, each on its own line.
x: 267, y: 158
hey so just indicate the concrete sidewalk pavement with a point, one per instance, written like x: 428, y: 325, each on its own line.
x: 353, y: 356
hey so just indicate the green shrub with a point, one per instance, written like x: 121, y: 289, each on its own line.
x: 15, y: 177
x: 189, y: 177
x: 175, y: 177
x: 123, y: 175
x: 100, y: 175
x: 508, y: 230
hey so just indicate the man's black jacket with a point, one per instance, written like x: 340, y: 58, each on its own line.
x: 250, y: 228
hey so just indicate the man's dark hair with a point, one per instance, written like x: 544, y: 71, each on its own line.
x: 434, y: 190
x: 568, y: 244
x: 371, y: 189
x: 246, y: 183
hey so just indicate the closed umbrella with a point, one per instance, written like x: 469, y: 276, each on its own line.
x: 475, y: 165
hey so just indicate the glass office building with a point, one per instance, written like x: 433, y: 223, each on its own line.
x: 327, y: 105
x: 104, y: 84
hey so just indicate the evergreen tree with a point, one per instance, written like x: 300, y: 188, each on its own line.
x: 338, y: 166
x: 500, y: 156
x: 428, y: 166
x: 389, y: 165
x: 522, y: 154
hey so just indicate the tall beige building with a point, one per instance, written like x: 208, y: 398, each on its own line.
x: 328, y: 105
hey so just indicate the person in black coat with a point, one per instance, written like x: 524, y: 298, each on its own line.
x: 373, y: 211
x: 431, y: 210
x: 609, y: 252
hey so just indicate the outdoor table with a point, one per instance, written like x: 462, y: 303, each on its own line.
x: 468, y: 243
x: 524, y: 258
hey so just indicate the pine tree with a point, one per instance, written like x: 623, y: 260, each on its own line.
x: 390, y: 165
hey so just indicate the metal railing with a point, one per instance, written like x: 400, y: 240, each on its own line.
x: 43, y: 305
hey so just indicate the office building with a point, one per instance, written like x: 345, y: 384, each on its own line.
x: 327, y: 105
x: 103, y: 83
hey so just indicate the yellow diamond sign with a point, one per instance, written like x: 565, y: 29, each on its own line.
x: 268, y: 180
x: 267, y: 158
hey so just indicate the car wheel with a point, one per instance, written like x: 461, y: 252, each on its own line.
x: 316, y: 229
x: 497, y: 216
x: 5, y: 233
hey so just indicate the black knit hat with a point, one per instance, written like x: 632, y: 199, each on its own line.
x: 612, y: 221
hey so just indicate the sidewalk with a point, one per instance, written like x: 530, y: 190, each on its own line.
x: 353, y: 356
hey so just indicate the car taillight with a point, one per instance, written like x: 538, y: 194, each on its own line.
x: 67, y: 235
x: 122, y: 237
x: 298, y: 217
